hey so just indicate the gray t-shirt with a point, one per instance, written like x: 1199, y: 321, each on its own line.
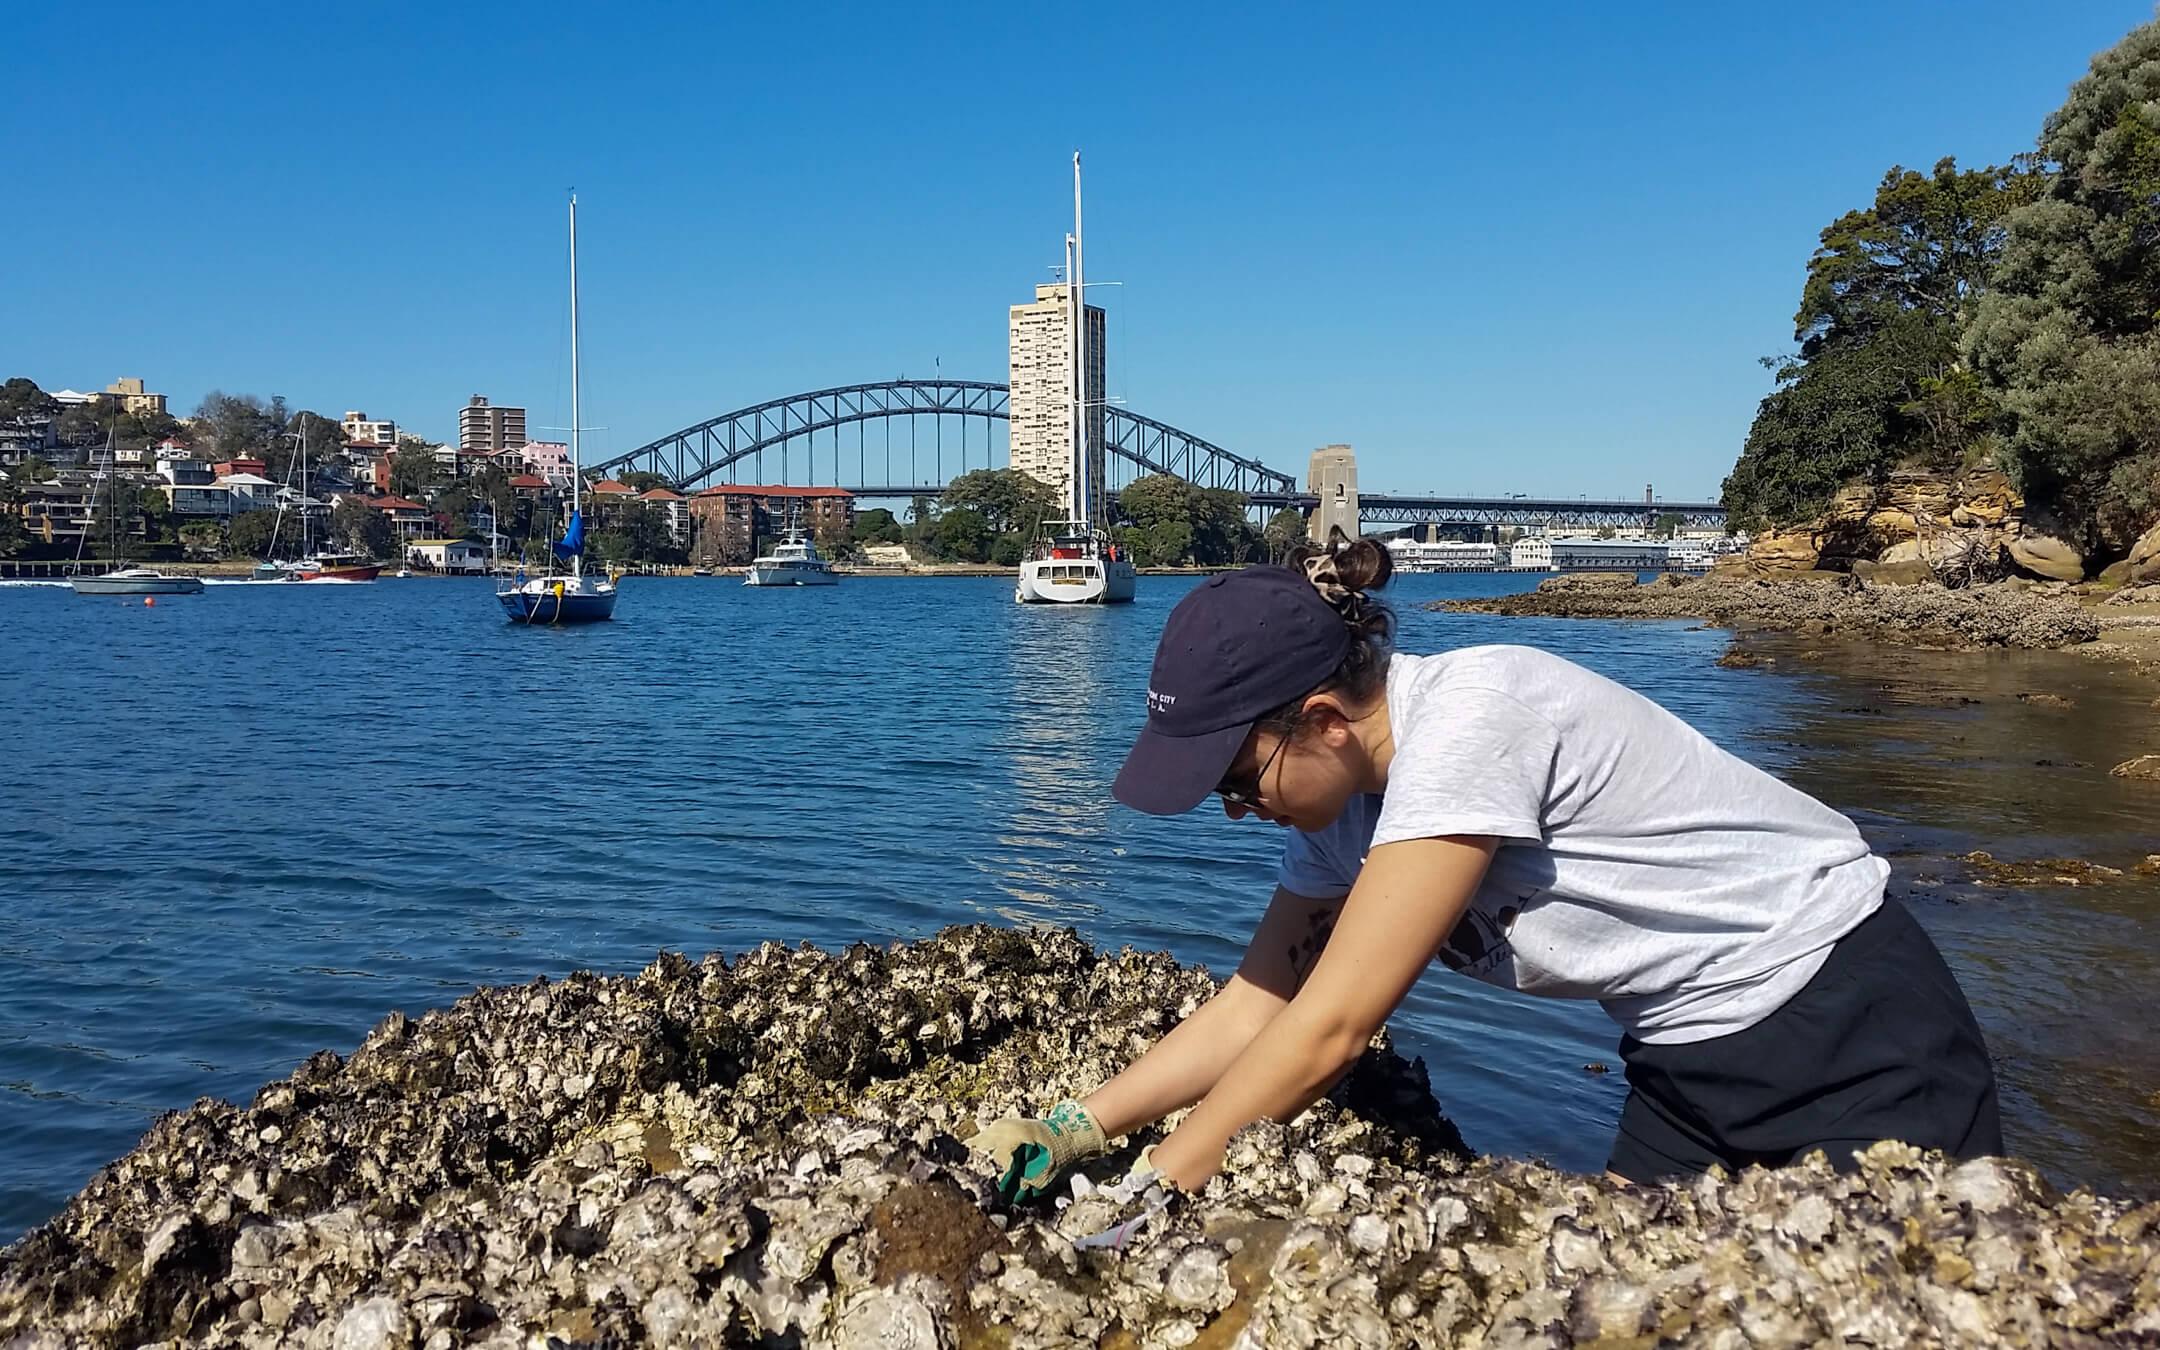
x: 1687, y: 891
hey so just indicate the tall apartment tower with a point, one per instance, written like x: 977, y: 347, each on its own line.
x: 1332, y: 477
x: 483, y: 429
x: 1041, y: 407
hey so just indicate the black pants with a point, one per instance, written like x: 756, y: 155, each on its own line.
x: 1879, y: 1045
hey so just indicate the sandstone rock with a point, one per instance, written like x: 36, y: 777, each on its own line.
x: 2144, y: 556
x: 2047, y: 556
x: 1985, y: 497
x: 2115, y: 574
x: 1904, y: 551
x: 2146, y: 767
x: 1794, y: 551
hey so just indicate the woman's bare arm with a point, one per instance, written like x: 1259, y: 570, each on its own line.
x: 1184, y: 1066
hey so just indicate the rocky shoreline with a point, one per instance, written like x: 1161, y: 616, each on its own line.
x: 764, y: 1152
x: 1828, y: 604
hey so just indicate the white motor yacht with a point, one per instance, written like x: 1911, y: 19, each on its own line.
x: 793, y: 562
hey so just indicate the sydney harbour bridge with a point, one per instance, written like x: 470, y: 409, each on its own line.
x: 927, y: 431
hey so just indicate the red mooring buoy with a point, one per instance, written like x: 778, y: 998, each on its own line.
x: 149, y: 600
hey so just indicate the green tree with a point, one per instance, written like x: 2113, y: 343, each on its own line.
x: 114, y: 516
x: 491, y: 492
x: 1285, y: 531
x: 324, y: 439
x: 22, y: 398
x: 14, y: 535
x: 202, y: 539
x: 413, y: 471
x: 963, y: 535
x: 1007, y: 499
x: 1668, y: 524
x: 241, y: 425
x: 252, y: 532
x: 877, y: 526
x: 361, y: 528
x: 1007, y: 550
x: 2067, y: 339
x: 642, y: 480
x: 1877, y: 380
x: 155, y: 509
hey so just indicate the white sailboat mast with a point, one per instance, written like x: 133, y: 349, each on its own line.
x: 577, y: 462
x: 1077, y: 277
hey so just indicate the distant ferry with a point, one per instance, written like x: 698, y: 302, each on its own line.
x: 1445, y: 555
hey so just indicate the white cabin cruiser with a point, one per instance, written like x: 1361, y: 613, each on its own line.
x: 793, y: 562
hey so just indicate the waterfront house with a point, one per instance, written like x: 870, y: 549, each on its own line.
x: 464, y: 556
x: 241, y: 465
x: 60, y: 511
x: 22, y: 437
x: 250, y: 492
x: 190, y: 488
x: 409, y: 520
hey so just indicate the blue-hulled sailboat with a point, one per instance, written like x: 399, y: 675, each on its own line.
x: 565, y: 596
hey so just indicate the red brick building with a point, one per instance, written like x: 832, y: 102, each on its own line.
x: 729, y: 519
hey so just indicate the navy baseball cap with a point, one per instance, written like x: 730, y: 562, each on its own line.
x: 1240, y: 646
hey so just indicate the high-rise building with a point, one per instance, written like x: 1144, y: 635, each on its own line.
x: 484, y: 429
x: 1041, y: 407
x: 360, y: 430
x: 1332, y: 477
x: 134, y: 398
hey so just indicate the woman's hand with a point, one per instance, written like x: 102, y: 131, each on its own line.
x: 1030, y: 1151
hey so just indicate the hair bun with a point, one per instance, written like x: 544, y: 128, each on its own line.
x: 1343, y: 567
x: 1343, y: 570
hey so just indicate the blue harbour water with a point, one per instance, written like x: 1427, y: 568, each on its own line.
x: 244, y: 826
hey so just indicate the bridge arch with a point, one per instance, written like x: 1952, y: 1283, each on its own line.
x: 692, y: 457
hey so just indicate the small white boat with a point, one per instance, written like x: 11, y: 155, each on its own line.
x: 137, y: 581
x: 793, y: 562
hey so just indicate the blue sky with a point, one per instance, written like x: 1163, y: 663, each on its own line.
x: 1524, y: 248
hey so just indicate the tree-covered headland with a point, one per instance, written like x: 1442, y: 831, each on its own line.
x: 2004, y: 317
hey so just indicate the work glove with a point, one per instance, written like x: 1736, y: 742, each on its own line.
x: 1030, y: 1151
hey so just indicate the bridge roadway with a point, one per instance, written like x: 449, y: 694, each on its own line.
x: 1397, y: 508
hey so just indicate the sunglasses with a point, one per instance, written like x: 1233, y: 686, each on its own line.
x: 1246, y: 794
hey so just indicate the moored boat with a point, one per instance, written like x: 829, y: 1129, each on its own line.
x: 1074, y: 563
x: 793, y: 562
x: 565, y: 597
x: 137, y: 581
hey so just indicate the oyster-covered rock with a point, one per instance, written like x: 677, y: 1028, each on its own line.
x: 767, y: 1151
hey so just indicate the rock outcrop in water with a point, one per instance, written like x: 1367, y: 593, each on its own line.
x: 1826, y: 603
x: 764, y: 1153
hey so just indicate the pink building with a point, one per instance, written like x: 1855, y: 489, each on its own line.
x: 549, y: 459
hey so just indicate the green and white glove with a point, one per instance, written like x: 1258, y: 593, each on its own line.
x: 1030, y: 1151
